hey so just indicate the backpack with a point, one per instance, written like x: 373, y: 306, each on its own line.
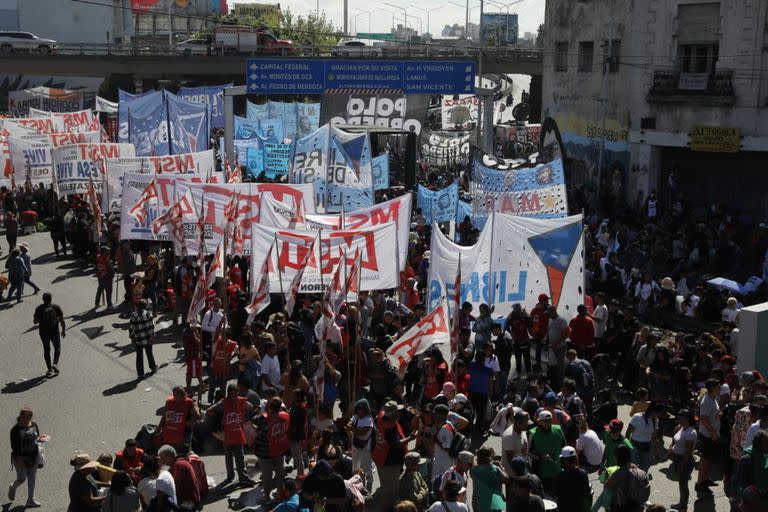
x: 586, y: 376
x: 202, y: 477
x: 638, y: 486
x: 458, y: 443
x: 49, y: 319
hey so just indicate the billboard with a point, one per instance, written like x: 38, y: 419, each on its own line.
x: 499, y: 28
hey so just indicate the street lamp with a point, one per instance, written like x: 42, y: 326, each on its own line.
x: 375, y: 11
x: 428, y: 11
x: 405, y: 13
x: 362, y: 14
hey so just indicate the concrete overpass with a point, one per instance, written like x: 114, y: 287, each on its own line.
x: 177, y: 67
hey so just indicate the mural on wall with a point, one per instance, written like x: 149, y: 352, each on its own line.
x: 581, y: 136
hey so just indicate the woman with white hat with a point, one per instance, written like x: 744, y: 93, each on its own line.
x: 83, y: 490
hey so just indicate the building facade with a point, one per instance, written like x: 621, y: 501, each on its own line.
x: 675, y: 92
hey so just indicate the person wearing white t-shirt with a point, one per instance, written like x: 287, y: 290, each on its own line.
x: 681, y: 453
x: 731, y: 311
x: 760, y: 424
x: 209, y: 325
x: 589, y: 447
x: 441, y: 460
x: 514, y: 441
x: 452, y: 501
x: 361, y: 428
x: 270, y: 367
x: 642, y: 431
x: 600, y: 316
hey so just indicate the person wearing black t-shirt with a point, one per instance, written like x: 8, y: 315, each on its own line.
x: 49, y: 318
x: 323, y: 485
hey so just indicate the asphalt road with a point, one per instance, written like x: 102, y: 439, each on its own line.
x: 96, y: 403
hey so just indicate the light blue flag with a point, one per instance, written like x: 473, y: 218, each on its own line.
x: 381, y: 172
x: 190, y: 125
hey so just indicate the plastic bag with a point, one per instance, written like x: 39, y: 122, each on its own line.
x: 40, y: 459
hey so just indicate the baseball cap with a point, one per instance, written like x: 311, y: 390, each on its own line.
x: 567, y: 452
x: 550, y: 397
x: 616, y: 425
x: 545, y: 415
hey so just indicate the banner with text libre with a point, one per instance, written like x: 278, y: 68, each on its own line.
x: 74, y: 164
x: 514, y: 260
x: 377, y: 247
x: 211, y: 95
x: 527, y: 191
x: 398, y: 210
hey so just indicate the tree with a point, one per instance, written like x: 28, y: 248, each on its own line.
x: 540, y: 37
x: 308, y: 30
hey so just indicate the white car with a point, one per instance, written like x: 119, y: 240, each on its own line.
x: 12, y: 42
x: 355, y: 48
x: 193, y: 47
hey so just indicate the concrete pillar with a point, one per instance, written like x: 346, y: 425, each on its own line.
x: 752, y: 347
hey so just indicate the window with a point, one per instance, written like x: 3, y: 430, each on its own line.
x: 698, y: 58
x: 561, y: 56
x: 586, y: 56
x: 612, y: 54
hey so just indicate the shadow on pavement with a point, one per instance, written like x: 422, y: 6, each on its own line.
x: 123, y: 387
x: 22, y: 386
x: 90, y: 314
x: 123, y: 349
x: 94, y: 332
x: 704, y: 505
x: 17, y: 508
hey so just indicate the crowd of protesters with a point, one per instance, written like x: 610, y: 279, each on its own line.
x: 652, y: 332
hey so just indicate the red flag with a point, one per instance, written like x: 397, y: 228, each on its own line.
x: 175, y: 218
x: 336, y: 292
x: 230, y: 211
x: 140, y: 210
x: 456, y: 308
x: 293, y: 290
x: 204, y: 282
x: 93, y: 200
x: 198, y: 297
x: 260, y: 290
x: 353, y: 277
x: 430, y: 330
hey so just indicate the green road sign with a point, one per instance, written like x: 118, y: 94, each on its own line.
x: 381, y: 36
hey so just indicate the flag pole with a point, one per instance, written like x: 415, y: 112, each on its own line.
x: 279, y: 272
x: 320, y: 256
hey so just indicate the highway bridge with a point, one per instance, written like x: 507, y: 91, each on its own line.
x: 128, y: 63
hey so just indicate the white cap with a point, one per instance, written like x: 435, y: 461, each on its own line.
x: 545, y: 415
x: 567, y: 452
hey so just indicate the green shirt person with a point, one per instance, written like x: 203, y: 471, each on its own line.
x: 546, y: 440
x: 611, y: 439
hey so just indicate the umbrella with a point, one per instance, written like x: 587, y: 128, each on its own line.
x: 725, y: 284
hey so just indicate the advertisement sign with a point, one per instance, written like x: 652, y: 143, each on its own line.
x: 377, y: 247
x: 400, y: 112
x: 298, y: 76
x: 74, y: 164
x: 514, y: 260
x: 499, y: 28
x: 715, y: 139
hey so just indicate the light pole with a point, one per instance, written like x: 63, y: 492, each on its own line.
x: 369, y: 21
x: 405, y: 13
x: 428, y: 11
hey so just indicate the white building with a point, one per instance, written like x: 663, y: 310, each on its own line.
x: 675, y: 86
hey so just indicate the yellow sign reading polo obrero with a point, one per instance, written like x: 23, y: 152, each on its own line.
x: 715, y: 139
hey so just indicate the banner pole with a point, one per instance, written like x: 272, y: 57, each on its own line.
x: 491, y: 275
x: 320, y: 257
x: 279, y: 272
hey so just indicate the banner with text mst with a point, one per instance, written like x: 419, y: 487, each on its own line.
x: 514, y: 260
x: 377, y: 246
x: 75, y: 163
x: 299, y: 76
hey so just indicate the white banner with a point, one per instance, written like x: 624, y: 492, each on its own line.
x: 516, y: 257
x: 431, y: 330
x: 74, y: 164
x: 217, y: 197
x: 31, y: 157
x: 200, y: 164
x: 133, y: 186
x: 398, y: 210
x: 377, y: 248
x: 81, y: 121
x: 34, y: 125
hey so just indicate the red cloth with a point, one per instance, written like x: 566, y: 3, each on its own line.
x: 582, y: 331
x: 540, y: 322
x: 186, y: 482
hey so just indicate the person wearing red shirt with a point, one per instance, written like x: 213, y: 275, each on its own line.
x: 539, y: 326
x: 105, y: 273
x: 234, y: 412
x: 583, y: 333
x: 223, y: 352
x: 460, y: 377
x: 130, y: 460
x: 235, y: 274
x: 273, y: 467
x: 184, y: 478
x: 179, y: 415
x: 193, y: 357
x: 411, y: 294
x: 436, y: 374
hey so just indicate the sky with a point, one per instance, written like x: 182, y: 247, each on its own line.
x: 530, y: 12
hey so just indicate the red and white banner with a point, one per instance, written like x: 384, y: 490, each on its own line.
x: 398, y: 210
x: 377, y: 246
x: 291, y: 295
x: 80, y: 121
x: 33, y: 154
x: 34, y: 125
x: 133, y: 186
x: 73, y: 165
x: 218, y: 195
x: 430, y: 330
x: 260, y: 298
x: 200, y: 164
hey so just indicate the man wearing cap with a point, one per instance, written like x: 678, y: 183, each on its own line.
x: 412, y: 486
x: 546, y: 441
x: 540, y: 326
x: 612, y: 438
x: 457, y: 473
x: 574, y: 494
x: 389, y: 452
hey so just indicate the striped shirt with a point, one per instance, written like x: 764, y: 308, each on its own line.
x: 141, y: 328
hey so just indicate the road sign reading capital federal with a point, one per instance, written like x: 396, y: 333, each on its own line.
x: 318, y: 76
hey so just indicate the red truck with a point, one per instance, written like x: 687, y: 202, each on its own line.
x: 246, y: 40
